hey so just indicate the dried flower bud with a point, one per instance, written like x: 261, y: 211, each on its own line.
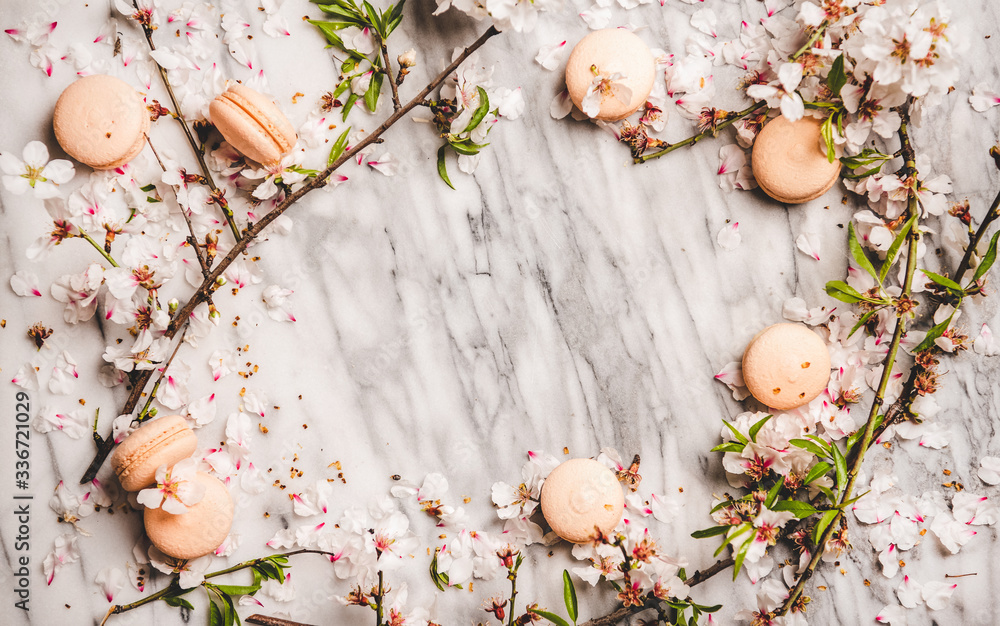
x: 38, y: 334
x: 407, y: 59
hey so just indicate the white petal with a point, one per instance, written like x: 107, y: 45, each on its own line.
x: 938, y: 594
x: 25, y: 283
x: 808, y: 243
x: 729, y: 237
x: 989, y: 471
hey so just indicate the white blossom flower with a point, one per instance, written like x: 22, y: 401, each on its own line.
x: 35, y: 171
x: 64, y: 374
x: 314, y: 500
x: 79, y: 293
x: 781, y: 93
x: 602, y: 86
x: 192, y: 572
x: 176, y: 488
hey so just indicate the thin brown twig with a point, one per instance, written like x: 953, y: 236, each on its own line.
x: 192, y: 240
x: 966, y: 264
x: 267, y: 620
x: 387, y: 70
x: 198, y: 149
x: 208, y: 286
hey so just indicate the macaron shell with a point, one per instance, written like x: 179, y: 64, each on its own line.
x: 786, y: 366
x: 789, y: 162
x: 100, y: 121
x: 199, y: 531
x: 253, y: 124
x: 612, y: 50
x: 162, y: 441
x: 579, y: 496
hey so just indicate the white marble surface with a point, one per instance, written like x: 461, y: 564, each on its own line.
x: 561, y: 297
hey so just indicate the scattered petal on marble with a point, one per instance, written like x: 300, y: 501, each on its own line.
x: 989, y: 470
x: 808, y: 243
x: 938, y: 594
x: 729, y: 237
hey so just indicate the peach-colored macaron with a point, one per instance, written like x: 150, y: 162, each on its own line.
x: 101, y: 121
x: 162, y: 441
x: 604, y: 53
x: 199, y: 531
x: 253, y: 124
x: 786, y: 366
x: 579, y: 496
x: 790, y: 161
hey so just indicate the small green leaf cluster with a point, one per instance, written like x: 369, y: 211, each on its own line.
x: 461, y: 142
x: 341, y: 14
x: 222, y: 598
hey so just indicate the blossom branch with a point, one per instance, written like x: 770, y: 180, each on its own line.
x: 208, y: 286
x: 83, y: 235
x: 387, y: 70
x: 913, y: 239
x: 966, y: 264
x: 710, y: 132
x: 122, y: 608
x: 199, y: 149
x: 267, y: 620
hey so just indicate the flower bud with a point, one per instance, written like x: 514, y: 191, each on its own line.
x: 152, y: 413
x: 173, y: 305
x: 408, y: 58
x: 220, y: 281
x: 213, y: 314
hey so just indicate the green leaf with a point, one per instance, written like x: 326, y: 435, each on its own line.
x: 351, y: 99
x: 934, y: 333
x: 757, y: 426
x: 569, y: 596
x: 214, y: 615
x: 466, y: 146
x: 731, y: 446
x: 374, y: 90
x: 810, y: 446
x: 481, y: 110
x: 988, y: 260
x: 552, y: 617
x: 854, y: 437
x: 739, y: 436
x: 374, y: 18
x: 796, y: 507
x: 742, y: 553
x: 845, y: 293
x: 178, y: 602
x: 148, y: 187
x: 238, y: 590
x: 840, y: 465
x: 826, y: 492
x: 822, y: 525
x: 827, y: 131
x: 837, y: 78
x: 742, y: 528
x: 710, y: 532
x: 863, y: 320
x: 897, y: 244
x: 395, y: 16
x: 338, y: 147
x: 944, y: 281
x: 443, y: 167
x: 772, y: 495
x: 818, y: 470
x: 707, y: 609
x: 858, y: 253
x: 435, y: 576
x: 847, y: 503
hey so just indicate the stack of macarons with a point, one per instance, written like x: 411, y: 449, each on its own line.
x: 580, y: 497
x: 790, y: 160
x: 786, y: 366
x: 611, y: 52
x: 205, y: 525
